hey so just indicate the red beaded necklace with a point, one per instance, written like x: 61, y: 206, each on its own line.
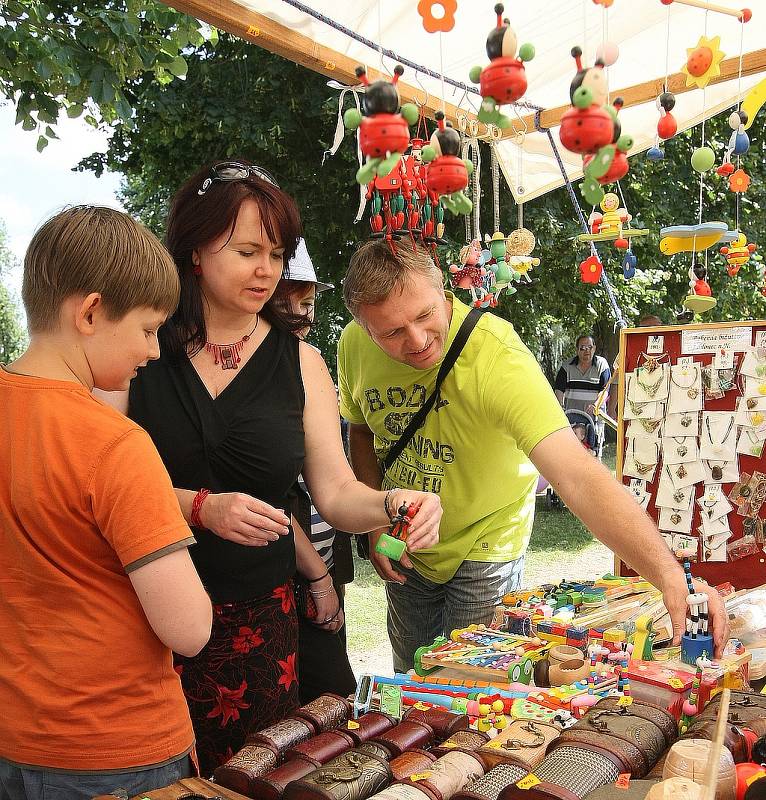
x: 227, y: 355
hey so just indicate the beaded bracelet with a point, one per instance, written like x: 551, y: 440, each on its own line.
x: 199, y: 499
x: 386, y: 506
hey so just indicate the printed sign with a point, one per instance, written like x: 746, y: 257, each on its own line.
x: 708, y: 341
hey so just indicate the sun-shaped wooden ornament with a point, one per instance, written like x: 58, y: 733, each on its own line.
x: 703, y: 62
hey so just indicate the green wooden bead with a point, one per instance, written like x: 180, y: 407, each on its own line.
x: 703, y: 159
x: 582, y: 97
x: 475, y: 75
x: 352, y: 118
x: 410, y: 113
x: 428, y: 154
x: 527, y: 52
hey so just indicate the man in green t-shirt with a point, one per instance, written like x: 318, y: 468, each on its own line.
x: 496, y: 424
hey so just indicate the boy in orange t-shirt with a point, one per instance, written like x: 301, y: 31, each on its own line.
x: 96, y: 583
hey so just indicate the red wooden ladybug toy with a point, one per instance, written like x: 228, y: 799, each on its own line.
x: 504, y: 80
x: 447, y: 173
x: 384, y: 132
x: 587, y: 126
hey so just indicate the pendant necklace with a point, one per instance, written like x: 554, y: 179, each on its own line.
x: 644, y: 469
x: 682, y: 449
x: 635, y: 407
x: 678, y: 495
x: 650, y: 425
x: 718, y: 446
x: 692, y: 392
x: 227, y: 355
x: 652, y: 388
x: 716, y: 470
x: 686, y: 420
x: 650, y: 362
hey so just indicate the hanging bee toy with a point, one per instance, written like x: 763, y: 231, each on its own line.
x: 447, y: 173
x: 504, y: 79
x: 384, y: 132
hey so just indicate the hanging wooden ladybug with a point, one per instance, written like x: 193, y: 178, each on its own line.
x: 587, y: 126
x: 504, y: 79
x: 615, y: 154
x: 384, y: 132
x: 667, y: 126
x: 447, y: 174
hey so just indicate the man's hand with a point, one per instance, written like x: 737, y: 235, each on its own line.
x: 423, y: 531
x: 674, y: 598
x: 383, y: 565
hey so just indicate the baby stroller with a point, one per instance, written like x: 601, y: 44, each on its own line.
x: 585, y: 429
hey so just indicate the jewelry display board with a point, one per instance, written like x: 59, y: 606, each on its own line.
x: 690, y: 442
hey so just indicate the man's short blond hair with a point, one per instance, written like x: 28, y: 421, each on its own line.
x: 87, y: 249
x: 376, y: 271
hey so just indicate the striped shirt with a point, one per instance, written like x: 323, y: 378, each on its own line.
x: 322, y: 535
x: 581, y: 389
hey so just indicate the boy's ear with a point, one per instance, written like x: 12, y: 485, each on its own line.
x: 87, y: 311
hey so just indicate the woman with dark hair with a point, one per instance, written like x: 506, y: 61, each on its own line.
x: 237, y: 407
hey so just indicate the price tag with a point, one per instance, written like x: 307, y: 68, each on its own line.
x: 676, y: 683
x: 352, y: 726
x: 421, y: 706
x: 685, y: 361
x: 496, y: 745
x: 623, y: 782
x: 624, y: 701
x: 656, y: 344
x: 528, y: 782
x: 421, y: 776
x: 448, y: 745
x: 723, y: 359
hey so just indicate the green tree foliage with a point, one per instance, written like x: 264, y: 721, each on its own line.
x: 13, y: 338
x: 81, y: 57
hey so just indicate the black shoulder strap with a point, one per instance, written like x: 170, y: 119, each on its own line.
x: 458, y: 343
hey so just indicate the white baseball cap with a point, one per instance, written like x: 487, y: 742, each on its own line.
x: 300, y: 268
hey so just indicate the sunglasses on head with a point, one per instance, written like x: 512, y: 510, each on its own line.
x: 227, y: 171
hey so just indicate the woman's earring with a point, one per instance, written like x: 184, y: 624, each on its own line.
x: 197, y: 269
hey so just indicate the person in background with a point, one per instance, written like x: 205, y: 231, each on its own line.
x: 238, y: 407
x: 580, y: 381
x: 96, y: 583
x: 322, y: 656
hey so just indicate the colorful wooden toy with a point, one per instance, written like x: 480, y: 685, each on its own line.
x: 447, y: 174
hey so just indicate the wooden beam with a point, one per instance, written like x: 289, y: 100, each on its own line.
x: 752, y: 63
x: 276, y: 38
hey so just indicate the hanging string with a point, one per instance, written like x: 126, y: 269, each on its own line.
x: 585, y: 31
x: 739, y: 108
x: 472, y: 150
x: 441, y: 71
x: 604, y: 280
x: 667, y: 52
x: 604, y: 40
x: 495, y: 169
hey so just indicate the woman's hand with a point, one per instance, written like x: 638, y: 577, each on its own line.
x: 423, y: 531
x: 329, y: 613
x: 243, y: 519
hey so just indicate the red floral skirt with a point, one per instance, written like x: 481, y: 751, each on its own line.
x: 245, y: 678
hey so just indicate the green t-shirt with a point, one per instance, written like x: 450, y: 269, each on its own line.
x: 495, y: 407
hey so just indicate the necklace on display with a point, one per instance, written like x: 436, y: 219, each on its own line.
x: 650, y: 362
x: 718, y: 446
x: 686, y: 420
x: 650, y: 389
x: 650, y: 425
x: 645, y: 469
x: 716, y: 470
x: 635, y: 407
x: 227, y: 355
x: 692, y: 391
x: 678, y: 495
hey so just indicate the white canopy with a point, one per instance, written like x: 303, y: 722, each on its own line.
x: 649, y: 50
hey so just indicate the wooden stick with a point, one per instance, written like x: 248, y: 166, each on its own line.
x: 732, y: 12
x: 711, y: 773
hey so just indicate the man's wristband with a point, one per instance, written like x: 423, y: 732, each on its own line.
x: 386, y: 501
x: 199, y: 499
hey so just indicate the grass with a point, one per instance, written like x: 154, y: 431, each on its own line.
x: 559, y: 541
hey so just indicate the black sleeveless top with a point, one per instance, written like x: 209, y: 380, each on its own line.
x: 249, y: 439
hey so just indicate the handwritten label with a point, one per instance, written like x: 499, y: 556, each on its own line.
x: 447, y: 745
x: 685, y: 361
x: 421, y: 706
x: 676, y: 683
x: 656, y: 344
x: 421, y: 776
x: 495, y: 744
x: 352, y: 726
x: 708, y: 341
x: 528, y: 782
x: 723, y: 359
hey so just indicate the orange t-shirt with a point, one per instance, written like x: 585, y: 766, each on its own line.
x: 85, y: 684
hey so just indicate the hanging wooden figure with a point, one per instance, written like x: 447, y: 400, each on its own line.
x: 520, y: 244
x: 738, y: 253
x: 504, y: 79
x: 384, y: 132
x: 587, y: 126
x: 499, y: 264
x: 447, y: 174
x: 739, y: 142
x: 667, y: 125
x: 610, y: 164
x: 470, y: 274
x: 700, y: 298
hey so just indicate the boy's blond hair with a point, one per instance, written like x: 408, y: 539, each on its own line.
x: 87, y: 249
x: 375, y: 271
